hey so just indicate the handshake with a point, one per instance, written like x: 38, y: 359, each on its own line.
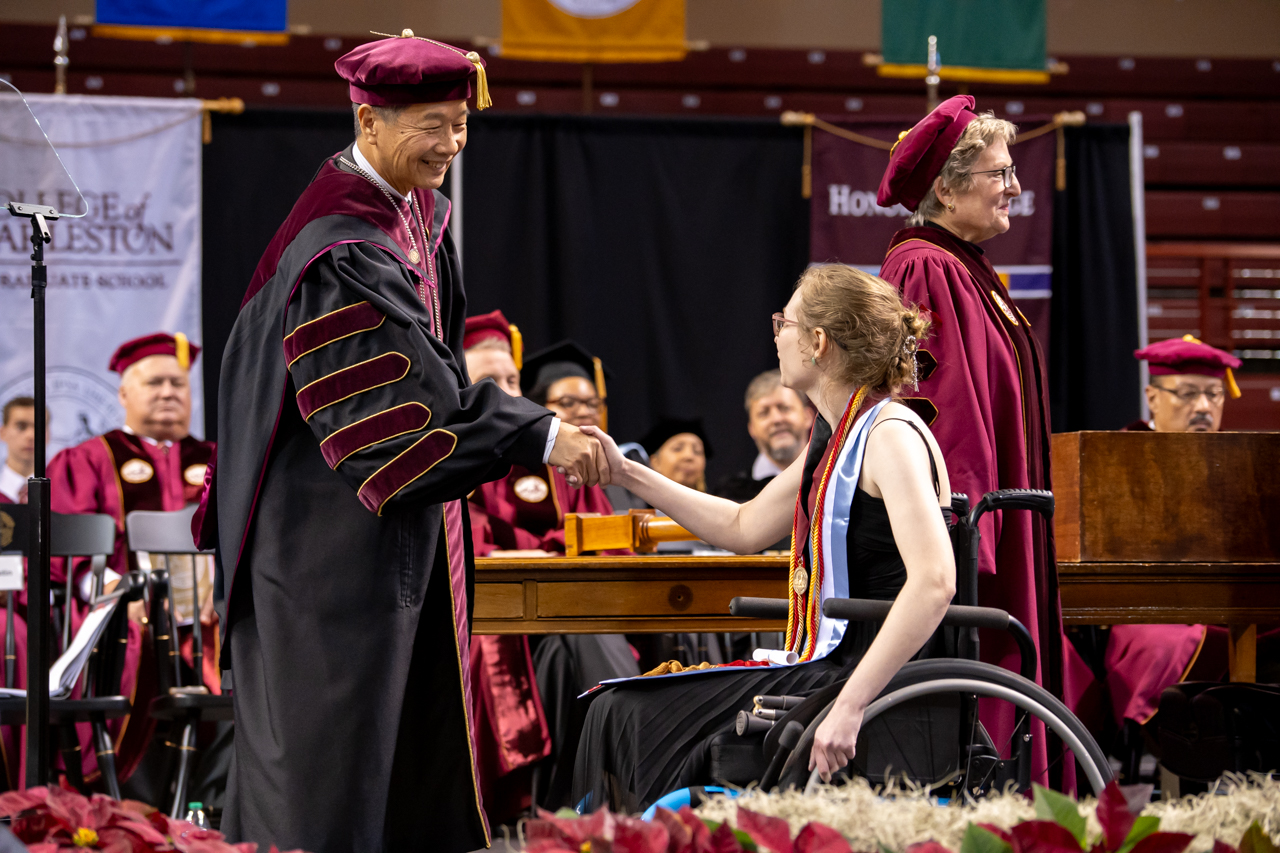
x: 586, y: 456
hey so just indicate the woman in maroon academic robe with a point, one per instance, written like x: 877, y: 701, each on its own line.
x: 982, y: 377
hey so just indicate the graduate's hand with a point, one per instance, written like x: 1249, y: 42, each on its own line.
x: 612, y: 455
x: 835, y: 742
x: 579, y: 457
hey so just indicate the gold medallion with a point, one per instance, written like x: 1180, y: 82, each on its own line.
x: 1004, y: 307
x: 414, y: 256
x: 136, y: 471
x: 532, y: 489
x: 194, y: 475
x: 7, y: 526
x: 800, y: 582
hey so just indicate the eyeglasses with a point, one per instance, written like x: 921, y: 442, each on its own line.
x: 571, y: 403
x: 1188, y: 396
x: 1006, y: 173
x: 780, y: 322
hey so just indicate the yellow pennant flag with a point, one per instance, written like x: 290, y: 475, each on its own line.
x: 593, y: 30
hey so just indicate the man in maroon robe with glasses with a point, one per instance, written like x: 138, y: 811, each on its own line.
x: 151, y: 463
x: 349, y: 437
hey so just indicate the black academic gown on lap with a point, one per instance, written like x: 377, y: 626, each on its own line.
x: 350, y: 437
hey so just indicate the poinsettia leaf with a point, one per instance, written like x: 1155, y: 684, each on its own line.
x: 979, y: 839
x: 1223, y: 847
x: 700, y: 832
x: 816, y: 837
x: 679, y: 836
x: 926, y: 847
x: 549, y: 845
x: 724, y: 839
x: 1062, y: 810
x: 13, y: 802
x: 1164, y: 842
x: 1043, y: 836
x: 1143, y: 825
x: 772, y: 833
x: 632, y: 835
x: 1002, y: 834
x: 1114, y: 815
x: 1256, y: 840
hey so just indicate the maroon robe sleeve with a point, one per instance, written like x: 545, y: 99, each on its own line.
x: 969, y: 378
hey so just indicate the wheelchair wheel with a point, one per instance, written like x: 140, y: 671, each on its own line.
x: 932, y: 730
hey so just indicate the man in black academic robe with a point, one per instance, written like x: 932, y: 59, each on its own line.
x: 350, y: 437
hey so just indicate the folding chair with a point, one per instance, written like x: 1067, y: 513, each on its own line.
x: 184, y: 707
x: 73, y: 536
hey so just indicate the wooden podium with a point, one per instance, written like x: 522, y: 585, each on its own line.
x: 1170, y: 528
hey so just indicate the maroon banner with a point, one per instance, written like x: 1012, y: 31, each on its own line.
x: 847, y: 226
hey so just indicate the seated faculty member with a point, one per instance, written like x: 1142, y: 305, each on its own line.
x: 872, y: 469
x: 1189, y: 384
x: 151, y: 463
x: 778, y: 421
x: 678, y: 449
x: 18, y: 433
x: 350, y: 439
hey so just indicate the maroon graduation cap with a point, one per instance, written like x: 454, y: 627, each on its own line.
x: 920, y: 153
x: 131, y: 352
x: 407, y: 69
x: 493, y: 326
x: 1189, y: 355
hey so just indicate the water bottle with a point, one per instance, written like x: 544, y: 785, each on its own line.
x: 196, y: 816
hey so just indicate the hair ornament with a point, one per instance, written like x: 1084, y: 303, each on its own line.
x: 910, y: 348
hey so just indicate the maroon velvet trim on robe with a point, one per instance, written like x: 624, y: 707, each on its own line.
x: 385, y: 425
x: 420, y: 458
x: 350, y: 381
x: 334, y: 326
x: 338, y: 193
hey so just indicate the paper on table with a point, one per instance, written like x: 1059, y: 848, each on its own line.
x: 67, y: 668
x: 10, y: 571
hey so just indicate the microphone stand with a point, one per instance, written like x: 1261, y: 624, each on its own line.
x: 38, y: 634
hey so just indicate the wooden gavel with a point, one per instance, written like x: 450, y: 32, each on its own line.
x: 640, y: 530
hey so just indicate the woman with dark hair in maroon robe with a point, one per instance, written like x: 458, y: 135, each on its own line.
x: 982, y: 375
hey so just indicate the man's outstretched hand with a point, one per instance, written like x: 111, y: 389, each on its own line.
x: 579, y: 457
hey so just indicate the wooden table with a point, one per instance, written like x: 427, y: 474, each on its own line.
x: 653, y: 594
x: 1240, y: 596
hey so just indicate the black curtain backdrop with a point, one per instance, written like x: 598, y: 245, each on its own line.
x: 1094, y: 316
x: 254, y: 170
x: 661, y: 245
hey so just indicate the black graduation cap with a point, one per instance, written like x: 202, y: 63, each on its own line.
x: 665, y: 428
x: 567, y: 358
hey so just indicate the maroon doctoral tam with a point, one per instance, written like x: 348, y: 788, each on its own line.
x: 493, y: 326
x: 1188, y: 355
x: 131, y: 352
x: 406, y: 69
x: 920, y: 153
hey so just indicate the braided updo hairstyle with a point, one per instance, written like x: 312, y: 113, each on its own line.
x: 866, y: 319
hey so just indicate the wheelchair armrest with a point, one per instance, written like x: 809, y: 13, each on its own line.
x: 1036, y: 500
x: 957, y: 615
x: 758, y: 608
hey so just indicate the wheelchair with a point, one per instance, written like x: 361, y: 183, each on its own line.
x: 924, y: 726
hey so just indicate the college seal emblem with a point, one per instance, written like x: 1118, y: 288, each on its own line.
x: 136, y: 471
x: 532, y: 489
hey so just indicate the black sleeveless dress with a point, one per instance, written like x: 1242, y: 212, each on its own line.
x: 643, y: 739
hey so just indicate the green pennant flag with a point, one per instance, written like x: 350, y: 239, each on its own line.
x: 999, y: 41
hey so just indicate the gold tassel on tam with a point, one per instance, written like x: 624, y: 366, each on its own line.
x: 183, y: 350
x: 1232, y: 388
x: 604, y: 406
x: 483, y: 101
x: 517, y: 346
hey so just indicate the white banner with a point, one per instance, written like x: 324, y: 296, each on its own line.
x: 128, y: 268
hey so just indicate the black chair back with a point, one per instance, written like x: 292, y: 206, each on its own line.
x: 165, y: 533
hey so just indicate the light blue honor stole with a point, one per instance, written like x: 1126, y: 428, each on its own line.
x: 841, y: 486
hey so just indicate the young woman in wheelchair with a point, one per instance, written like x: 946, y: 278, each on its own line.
x: 874, y: 483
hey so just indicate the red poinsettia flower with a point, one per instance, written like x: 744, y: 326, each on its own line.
x: 54, y: 820
x: 600, y: 830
